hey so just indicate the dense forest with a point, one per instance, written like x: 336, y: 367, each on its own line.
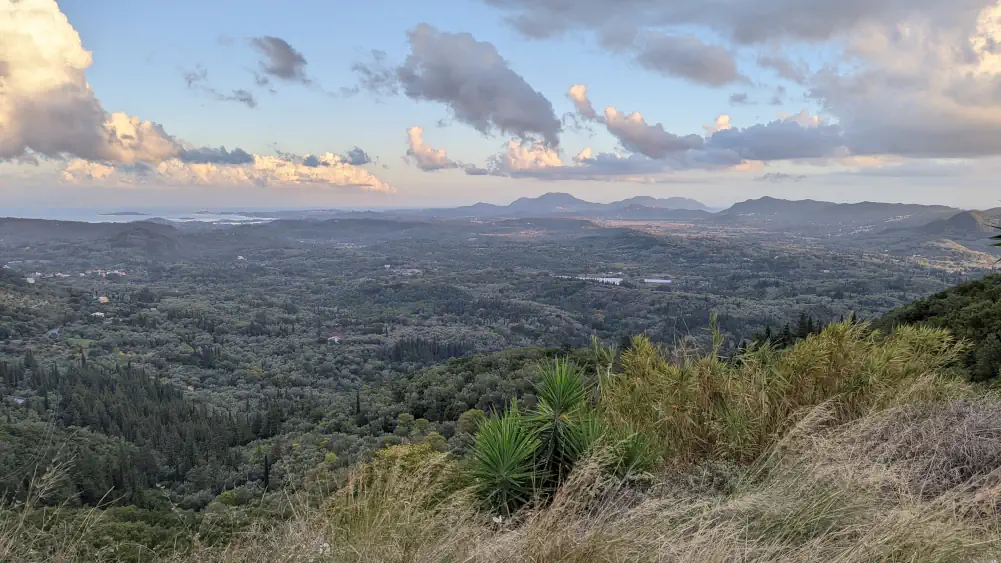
x: 971, y: 311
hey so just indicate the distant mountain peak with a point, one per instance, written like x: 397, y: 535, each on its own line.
x: 680, y: 203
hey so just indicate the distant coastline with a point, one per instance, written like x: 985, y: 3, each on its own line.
x: 126, y: 214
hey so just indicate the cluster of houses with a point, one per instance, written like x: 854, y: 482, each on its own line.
x: 34, y: 277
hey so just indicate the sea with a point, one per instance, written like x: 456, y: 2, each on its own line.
x: 115, y: 216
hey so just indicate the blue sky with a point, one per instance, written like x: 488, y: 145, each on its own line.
x: 142, y: 50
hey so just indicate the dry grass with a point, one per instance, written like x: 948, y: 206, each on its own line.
x: 407, y: 505
x: 816, y: 496
x: 706, y: 407
x: 29, y: 532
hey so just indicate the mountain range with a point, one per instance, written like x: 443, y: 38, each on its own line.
x: 556, y: 203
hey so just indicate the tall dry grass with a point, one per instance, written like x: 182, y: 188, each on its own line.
x: 32, y: 531
x: 707, y: 407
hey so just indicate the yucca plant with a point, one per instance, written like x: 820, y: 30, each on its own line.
x: 560, y: 419
x: 504, y: 456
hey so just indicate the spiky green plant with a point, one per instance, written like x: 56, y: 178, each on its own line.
x: 560, y: 418
x: 504, y: 469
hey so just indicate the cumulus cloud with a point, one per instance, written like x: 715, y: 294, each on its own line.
x: 800, y: 136
x: 525, y: 159
x: 688, y: 57
x: 722, y: 123
x: 46, y: 105
x: 276, y: 171
x: 632, y: 130
x: 471, y: 78
x: 423, y: 156
x: 792, y: 137
x: 524, y: 156
x: 208, y: 155
x: 280, y: 60
x: 578, y: 94
x: 47, y: 109
x: 357, y: 157
x: 923, y: 90
x: 637, y: 135
x: 909, y: 78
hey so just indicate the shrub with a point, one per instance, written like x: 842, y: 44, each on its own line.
x: 505, y: 461
x: 707, y: 407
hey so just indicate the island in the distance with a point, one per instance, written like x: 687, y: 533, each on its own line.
x: 126, y: 214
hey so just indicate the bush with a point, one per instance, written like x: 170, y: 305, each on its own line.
x: 708, y: 407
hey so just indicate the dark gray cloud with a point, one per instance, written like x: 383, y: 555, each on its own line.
x: 743, y: 21
x: 779, y: 177
x: 280, y: 60
x: 311, y: 161
x: 211, y: 155
x: 242, y: 96
x: 197, y: 80
x: 739, y: 99
x: 783, y: 139
x: 357, y: 157
x: 632, y: 130
x: 785, y: 67
x: 687, y: 57
x: 471, y: 78
x: 476, y: 171
x: 654, y: 141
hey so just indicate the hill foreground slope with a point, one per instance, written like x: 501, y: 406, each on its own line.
x: 857, y: 446
x: 971, y: 311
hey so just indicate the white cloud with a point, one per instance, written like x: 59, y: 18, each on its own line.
x: 424, y: 156
x: 47, y: 108
x: 578, y: 94
x: 722, y: 123
x: 325, y: 169
x: 522, y: 156
x: 46, y: 104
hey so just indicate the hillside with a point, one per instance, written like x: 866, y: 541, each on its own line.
x: 813, y: 214
x: 966, y: 225
x: 844, y: 447
x: 971, y: 311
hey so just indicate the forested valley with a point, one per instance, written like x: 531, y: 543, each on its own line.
x: 185, y: 380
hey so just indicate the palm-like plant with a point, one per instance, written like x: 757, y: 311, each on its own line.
x: 504, y: 461
x: 559, y: 418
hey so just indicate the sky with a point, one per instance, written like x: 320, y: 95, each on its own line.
x: 252, y: 104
